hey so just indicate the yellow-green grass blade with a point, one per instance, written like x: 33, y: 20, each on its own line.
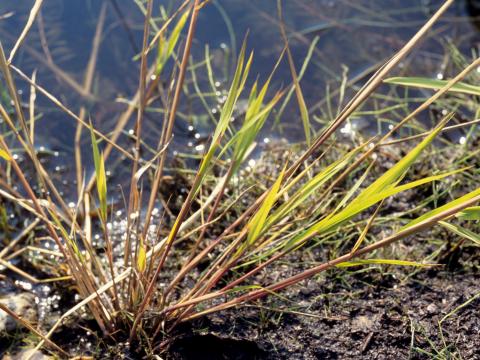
x: 100, y: 175
x: 4, y: 155
x: 434, y: 84
x: 233, y: 94
x: 257, y: 223
x: 354, y: 208
x: 312, y: 186
x: 354, y: 189
x: 471, y: 213
x: 384, y: 262
x: 365, y: 230
x: 236, y: 89
x: 394, y: 174
x: 141, y: 257
x: 166, y: 47
x: 254, y: 120
x: 227, y: 111
x: 443, y: 208
x: 461, y: 231
x: 258, y: 119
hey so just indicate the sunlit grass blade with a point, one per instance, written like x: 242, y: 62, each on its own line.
x: 354, y: 188
x: 395, y: 173
x: 438, y: 210
x: 363, y: 234
x: 471, y: 213
x: 31, y: 19
x: 257, y: 223
x: 434, y: 84
x: 141, y: 257
x: 4, y: 155
x: 234, y: 93
x: 312, y: 186
x: 356, y: 207
x: 461, y: 231
x: 100, y: 175
x: 254, y: 121
x: 384, y: 262
x: 166, y: 47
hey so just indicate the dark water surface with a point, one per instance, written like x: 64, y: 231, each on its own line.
x: 354, y: 38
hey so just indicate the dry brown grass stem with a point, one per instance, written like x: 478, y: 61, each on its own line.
x: 159, y: 173
x: 167, y: 134
x: 33, y: 329
x: 31, y: 18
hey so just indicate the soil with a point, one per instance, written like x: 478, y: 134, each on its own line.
x: 373, y: 316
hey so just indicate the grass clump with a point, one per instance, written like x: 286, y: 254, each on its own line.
x: 208, y: 254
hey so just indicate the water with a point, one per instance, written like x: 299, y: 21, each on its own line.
x: 354, y: 38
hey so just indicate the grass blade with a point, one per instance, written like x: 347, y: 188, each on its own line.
x: 383, y: 262
x: 472, y: 213
x: 443, y: 208
x: 100, y: 175
x: 31, y: 18
x: 461, y: 231
x: 364, y: 233
x: 258, y: 221
x: 394, y: 174
x: 4, y: 155
x: 166, y: 47
x: 434, y: 84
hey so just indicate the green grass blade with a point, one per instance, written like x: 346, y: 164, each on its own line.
x: 258, y: 221
x: 364, y: 232
x: 434, y: 84
x: 100, y: 175
x: 354, y: 189
x: 166, y: 47
x: 394, y: 174
x: 4, y: 155
x: 312, y: 186
x: 461, y: 231
x: 236, y: 89
x: 356, y: 207
x: 471, y: 213
x: 172, y: 41
x: 254, y: 122
x: 141, y: 258
x: 383, y: 262
x: 443, y: 208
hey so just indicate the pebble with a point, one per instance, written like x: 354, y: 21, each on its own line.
x: 363, y: 323
x: 23, y: 305
x: 31, y: 354
x: 432, y: 308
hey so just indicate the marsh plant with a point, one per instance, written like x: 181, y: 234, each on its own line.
x: 209, y: 259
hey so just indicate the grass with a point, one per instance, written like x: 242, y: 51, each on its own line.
x: 207, y: 256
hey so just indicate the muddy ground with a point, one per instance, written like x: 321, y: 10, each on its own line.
x: 371, y: 316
